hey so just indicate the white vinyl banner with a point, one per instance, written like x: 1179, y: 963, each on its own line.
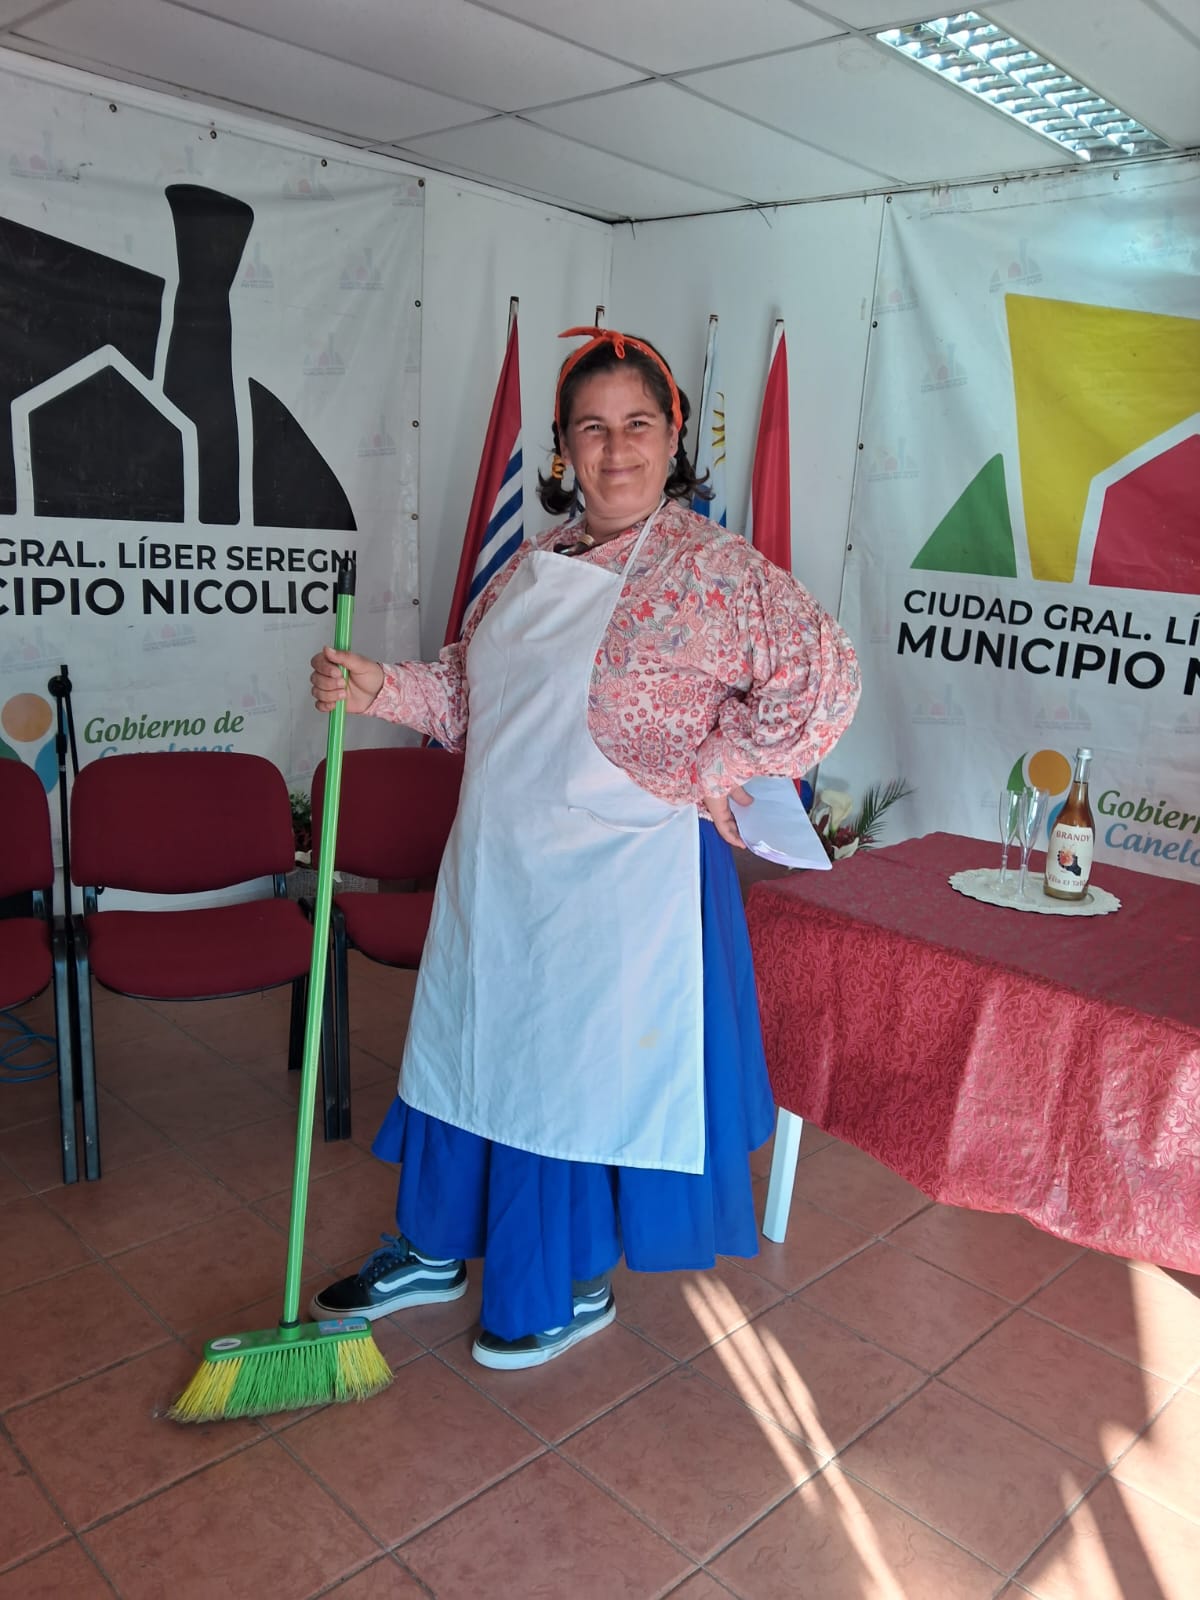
x: 1023, y: 571
x: 209, y: 370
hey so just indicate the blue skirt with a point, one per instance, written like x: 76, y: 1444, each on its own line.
x: 540, y: 1223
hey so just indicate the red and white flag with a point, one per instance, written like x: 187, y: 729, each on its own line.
x: 769, y: 524
x: 496, y: 524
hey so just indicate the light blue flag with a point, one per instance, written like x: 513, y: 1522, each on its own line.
x: 710, y: 435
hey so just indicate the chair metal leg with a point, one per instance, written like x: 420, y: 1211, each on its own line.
x: 788, y: 1128
x: 296, y: 1028
x: 336, y: 1063
x: 64, y: 1027
x: 87, y: 1054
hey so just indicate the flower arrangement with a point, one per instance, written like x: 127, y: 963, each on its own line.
x: 838, y: 832
x: 302, y: 824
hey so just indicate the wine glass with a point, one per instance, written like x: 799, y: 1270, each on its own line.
x: 1031, y: 813
x: 1010, y: 800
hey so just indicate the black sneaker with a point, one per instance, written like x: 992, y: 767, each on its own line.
x: 390, y: 1280
x: 594, y: 1309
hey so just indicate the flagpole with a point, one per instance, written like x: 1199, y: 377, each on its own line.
x: 513, y: 305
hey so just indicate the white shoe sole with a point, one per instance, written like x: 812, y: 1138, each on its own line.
x: 420, y: 1297
x: 514, y: 1360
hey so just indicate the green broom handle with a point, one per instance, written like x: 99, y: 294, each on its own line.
x: 320, y: 958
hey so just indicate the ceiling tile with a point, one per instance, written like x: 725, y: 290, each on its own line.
x: 11, y: 10
x: 1127, y: 52
x: 880, y: 111
x: 181, y: 48
x: 448, y: 46
x: 677, y: 132
x: 536, y: 162
x: 877, y: 14
x: 673, y: 35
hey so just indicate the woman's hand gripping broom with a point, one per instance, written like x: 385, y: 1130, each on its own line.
x: 298, y: 1363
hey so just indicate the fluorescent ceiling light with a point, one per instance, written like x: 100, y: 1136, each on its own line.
x: 974, y: 54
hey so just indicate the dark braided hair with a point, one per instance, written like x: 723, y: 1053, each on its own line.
x: 682, y: 482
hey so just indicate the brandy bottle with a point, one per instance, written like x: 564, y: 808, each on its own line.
x: 1072, y: 839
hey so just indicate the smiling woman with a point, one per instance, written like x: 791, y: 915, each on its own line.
x: 583, y: 1075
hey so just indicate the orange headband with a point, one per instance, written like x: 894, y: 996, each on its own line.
x: 595, y: 338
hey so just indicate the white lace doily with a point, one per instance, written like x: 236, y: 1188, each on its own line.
x: 980, y: 883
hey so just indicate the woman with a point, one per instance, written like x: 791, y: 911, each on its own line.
x: 583, y: 1074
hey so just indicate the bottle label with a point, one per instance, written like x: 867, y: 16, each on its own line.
x: 1069, y: 859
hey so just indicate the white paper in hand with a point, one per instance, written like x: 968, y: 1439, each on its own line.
x: 776, y: 826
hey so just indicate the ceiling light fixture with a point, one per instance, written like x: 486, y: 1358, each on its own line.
x: 974, y: 54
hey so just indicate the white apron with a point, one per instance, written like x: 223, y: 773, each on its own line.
x: 558, y: 1006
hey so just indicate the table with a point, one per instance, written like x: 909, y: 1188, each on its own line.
x: 1041, y: 1065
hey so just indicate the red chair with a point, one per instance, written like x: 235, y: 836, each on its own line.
x: 33, y: 948
x: 175, y: 823
x: 397, y: 809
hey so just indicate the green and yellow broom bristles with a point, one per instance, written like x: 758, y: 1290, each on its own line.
x: 253, y: 1374
x: 299, y: 1363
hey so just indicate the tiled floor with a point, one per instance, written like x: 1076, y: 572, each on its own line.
x: 903, y: 1402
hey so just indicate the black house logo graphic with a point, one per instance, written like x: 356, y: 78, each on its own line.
x: 108, y: 443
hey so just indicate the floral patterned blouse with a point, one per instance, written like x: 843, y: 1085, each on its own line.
x: 716, y: 666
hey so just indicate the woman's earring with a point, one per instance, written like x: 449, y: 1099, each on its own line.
x: 558, y: 467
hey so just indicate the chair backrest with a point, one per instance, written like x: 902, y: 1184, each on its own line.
x: 26, y: 854
x: 397, y: 808
x: 174, y: 822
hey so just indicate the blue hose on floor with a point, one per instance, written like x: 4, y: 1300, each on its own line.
x: 20, y: 1038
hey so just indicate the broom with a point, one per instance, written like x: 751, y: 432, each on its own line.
x: 298, y: 1363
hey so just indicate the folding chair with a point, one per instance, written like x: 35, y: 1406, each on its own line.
x: 397, y: 808
x: 183, y: 823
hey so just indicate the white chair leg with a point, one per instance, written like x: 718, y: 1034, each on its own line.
x: 788, y: 1128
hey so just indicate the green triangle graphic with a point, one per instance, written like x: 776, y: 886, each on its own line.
x: 976, y: 533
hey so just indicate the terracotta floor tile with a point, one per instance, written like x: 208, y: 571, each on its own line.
x: 369, y: 1107
x: 1151, y: 1321
x: 382, y: 1580
x: 28, y: 1522
x: 684, y: 1312
x: 257, y: 1160
x: 692, y: 1460
x: 700, y: 1586
x: 544, y: 1534
x: 125, y: 1448
x: 978, y: 1477
x: 1078, y: 1397
x: 414, y: 1452
x: 35, y: 1244
x: 379, y: 1032
x: 1165, y: 1461
x: 556, y: 1399
x: 1118, y: 1545
x: 905, y: 1304
x: 118, y: 1021
x: 815, y: 1242
x: 22, y: 1103
x: 246, y: 1029
x: 64, y: 1571
x: 367, y: 1069
x: 12, y: 1187
x: 1004, y: 1254
x: 347, y: 1210
x: 810, y: 1375
x: 194, y: 1104
x: 838, y: 1540
x: 812, y: 1139
x: 854, y: 1186
x: 253, y: 1525
x: 68, y: 1327
x: 135, y: 1204
x: 34, y: 1152
x: 242, y: 1258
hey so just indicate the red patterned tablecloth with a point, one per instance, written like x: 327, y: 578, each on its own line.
x: 1046, y: 1066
